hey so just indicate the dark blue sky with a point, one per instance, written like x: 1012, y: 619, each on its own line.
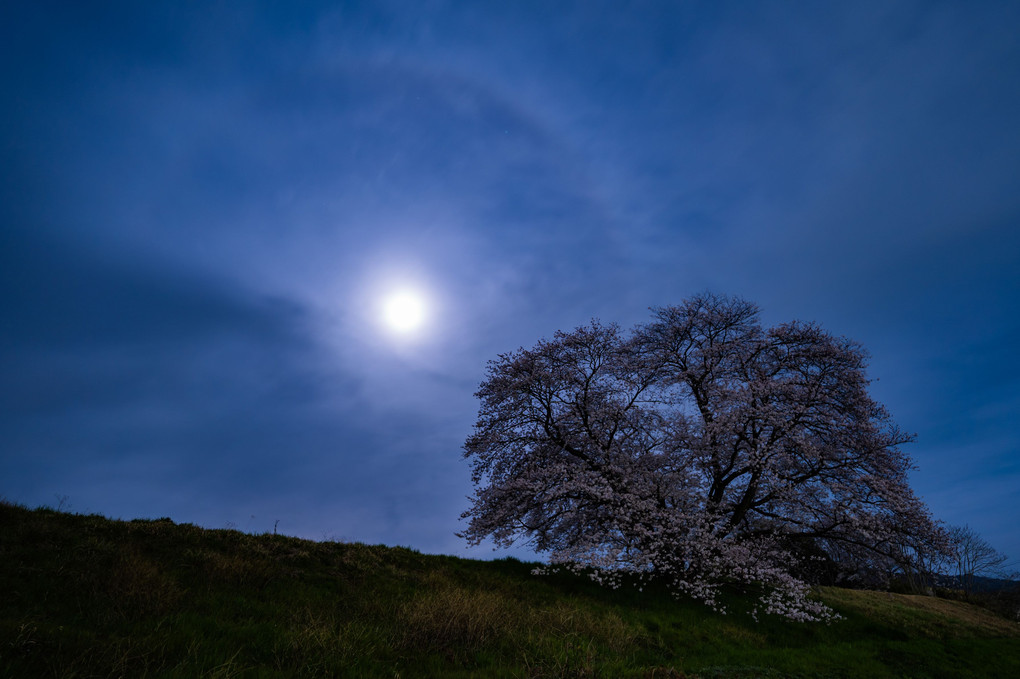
x: 203, y: 207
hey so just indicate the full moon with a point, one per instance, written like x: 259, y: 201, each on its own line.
x: 404, y: 311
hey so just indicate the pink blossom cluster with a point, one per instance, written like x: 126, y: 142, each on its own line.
x: 701, y: 449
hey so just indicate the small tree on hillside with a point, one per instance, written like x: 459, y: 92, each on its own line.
x: 701, y: 448
x: 973, y: 556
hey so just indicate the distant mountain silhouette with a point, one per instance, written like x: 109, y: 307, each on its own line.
x: 979, y: 583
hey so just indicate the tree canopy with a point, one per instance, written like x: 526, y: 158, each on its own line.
x: 701, y: 448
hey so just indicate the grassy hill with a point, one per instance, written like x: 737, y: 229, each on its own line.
x: 85, y: 596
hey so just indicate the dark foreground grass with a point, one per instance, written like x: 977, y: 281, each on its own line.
x: 84, y: 596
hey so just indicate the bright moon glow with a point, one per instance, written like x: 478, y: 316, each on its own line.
x: 404, y: 311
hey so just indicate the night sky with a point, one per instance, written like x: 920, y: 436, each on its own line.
x: 207, y: 207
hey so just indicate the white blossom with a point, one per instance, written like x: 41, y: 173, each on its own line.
x: 702, y: 449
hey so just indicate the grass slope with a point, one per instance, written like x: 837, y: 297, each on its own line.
x: 85, y: 596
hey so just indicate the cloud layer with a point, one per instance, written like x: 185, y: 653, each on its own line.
x: 201, y: 209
